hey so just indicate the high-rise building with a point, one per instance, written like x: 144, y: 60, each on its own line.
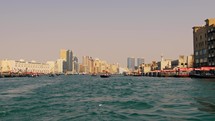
x: 76, y: 65
x: 70, y: 61
x: 67, y: 56
x: 204, y: 44
x: 140, y: 61
x: 64, y: 54
x: 131, y: 63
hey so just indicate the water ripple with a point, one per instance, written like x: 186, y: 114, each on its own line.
x: 84, y: 98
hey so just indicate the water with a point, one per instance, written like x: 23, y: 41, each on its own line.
x: 86, y: 98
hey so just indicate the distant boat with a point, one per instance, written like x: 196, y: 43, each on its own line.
x: 105, y: 75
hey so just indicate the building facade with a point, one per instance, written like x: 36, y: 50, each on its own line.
x: 131, y: 63
x: 203, y: 44
x: 67, y: 56
x: 183, y: 62
x: 210, y: 24
x: 140, y: 61
x: 61, y: 66
x: 21, y: 66
x: 76, y: 65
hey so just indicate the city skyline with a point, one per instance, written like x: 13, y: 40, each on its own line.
x: 109, y: 30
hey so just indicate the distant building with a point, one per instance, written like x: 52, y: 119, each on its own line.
x: 183, y: 62
x: 23, y: 66
x: 190, y: 61
x: 204, y: 44
x: 61, y: 66
x: 85, y: 64
x: 52, y: 66
x: 131, y: 63
x: 67, y: 56
x: 164, y: 64
x: 76, y: 65
x: 140, y: 61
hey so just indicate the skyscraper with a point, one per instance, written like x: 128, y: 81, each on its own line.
x: 76, y: 65
x: 140, y: 61
x: 63, y: 54
x: 131, y: 63
x: 67, y: 56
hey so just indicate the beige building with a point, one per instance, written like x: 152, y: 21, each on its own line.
x: 24, y: 66
x: 90, y: 65
x: 146, y: 68
x: 203, y: 44
x: 164, y: 64
x: 183, y: 62
x: 64, y: 54
x: 52, y: 66
x: 61, y: 66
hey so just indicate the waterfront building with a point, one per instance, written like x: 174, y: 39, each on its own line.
x: 85, y: 64
x: 52, y: 66
x: 204, y: 44
x: 131, y: 63
x: 61, y: 66
x: 114, y: 69
x: 183, y: 62
x: 140, y: 61
x: 97, y: 66
x: 210, y: 24
x: 146, y: 68
x: 81, y: 68
x: 164, y: 64
x: 190, y: 61
x: 22, y: 66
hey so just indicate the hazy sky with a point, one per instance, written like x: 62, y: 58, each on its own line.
x: 111, y: 30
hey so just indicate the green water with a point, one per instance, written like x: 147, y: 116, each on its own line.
x: 118, y: 98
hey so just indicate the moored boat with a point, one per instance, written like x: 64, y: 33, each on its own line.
x: 203, y: 72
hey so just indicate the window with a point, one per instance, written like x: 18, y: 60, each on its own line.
x: 197, y: 60
x: 200, y: 52
x: 205, y: 60
x: 196, y: 53
x: 201, y: 60
x: 204, y: 51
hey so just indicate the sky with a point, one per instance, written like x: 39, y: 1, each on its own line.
x: 111, y: 30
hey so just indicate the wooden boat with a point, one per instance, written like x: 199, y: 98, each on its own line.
x: 105, y: 75
x: 203, y: 72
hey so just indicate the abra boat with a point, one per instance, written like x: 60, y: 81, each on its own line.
x: 203, y: 72
x: 105, y: 75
